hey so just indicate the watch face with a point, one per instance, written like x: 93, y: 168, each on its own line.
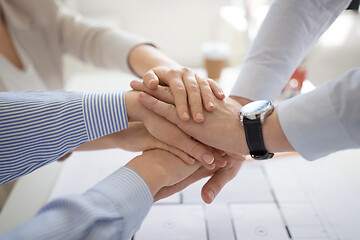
x: 253, y: 109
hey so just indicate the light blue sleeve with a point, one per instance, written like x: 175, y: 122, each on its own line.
x: 324, y: 120
x: 37, y: 128
x: 113, y: 209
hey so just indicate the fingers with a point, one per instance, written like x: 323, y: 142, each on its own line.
x: 151, y: 80
x: 172, y: 135
x: 216, y: 89
x: 163, y: 109
x: 220, y: 160
x: 206, y: 93
x: 220, y: 152
x: 222, y: 176
x: 187, y: 88
x: 186, y: 158
x: 168, y: 191
x: 195, y: 149
x: 174, y: 80
x: 194, y: 95
x: 162, y: 93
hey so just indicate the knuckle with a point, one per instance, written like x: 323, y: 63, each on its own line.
x: 202, y: 82
x: 154, y: 102
x: 170, y: 109
x: 186, y: 70
x: 147, y: 77
x: 173, y: 72
x: 179, y: 89
x: 167, y: 90
x: 193, y: 87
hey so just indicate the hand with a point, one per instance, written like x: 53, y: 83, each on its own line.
x: 221, y: 129
x: 160, y: 168
x: 243, y: 101
x: 135, y: 138
x: 226, y: 133
x: 185, y: 85
x: 213, y: 186
x: 167, y: 132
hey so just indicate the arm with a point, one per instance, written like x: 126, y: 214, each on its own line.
x: 226, y: 133
x: 289, y: 30
x: 135, y: 138
x: 37, y: 128
x: 327, y: 119
x: 95, y: 43
x: 315, y: 124
x: 112, y: 48
x: 114, y: 208
x: 168, y: 132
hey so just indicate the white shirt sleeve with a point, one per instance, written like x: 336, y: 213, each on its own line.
x: 325, y: 120
x: 290, y: 28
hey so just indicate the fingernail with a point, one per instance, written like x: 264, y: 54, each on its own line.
x: 211, y: 195
x: 211, y: 104
x: 199, y: 116
x: 186, y: 116
x: 209, y: 159
x: 221, y: 93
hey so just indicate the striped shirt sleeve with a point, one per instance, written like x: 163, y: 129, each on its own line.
x: 37, y: 128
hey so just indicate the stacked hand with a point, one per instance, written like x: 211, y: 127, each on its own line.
x: 162, y: 121
x: 171, y: 103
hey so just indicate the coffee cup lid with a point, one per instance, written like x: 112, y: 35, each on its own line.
x: 215, y: 50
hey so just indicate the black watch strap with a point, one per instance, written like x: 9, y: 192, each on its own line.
x: 254, y: 139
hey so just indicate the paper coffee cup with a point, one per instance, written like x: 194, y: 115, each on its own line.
x: 215, y: 57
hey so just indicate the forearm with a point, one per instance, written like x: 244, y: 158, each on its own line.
x: 114, y: 208
x: 144, y: 57
x: 93, y: 42
x: 37, y: 128
x: 289, y: 30
x: 325, y: 120
x: 110, y: 141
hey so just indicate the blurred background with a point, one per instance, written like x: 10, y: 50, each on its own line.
x: 191, y: 31
x: 181, y: 28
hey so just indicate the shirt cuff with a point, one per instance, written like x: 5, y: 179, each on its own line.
x: 258, y: 82
x: 104, y: 113
x: 312, y: 125
x: 130, y: 194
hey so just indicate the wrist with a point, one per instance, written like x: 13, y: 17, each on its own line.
x: 132, y: 105
x: 146, y: 170
x: 274, y: 136
x: 144, y: 57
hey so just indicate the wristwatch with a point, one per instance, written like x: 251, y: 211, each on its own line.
x: 252, y: 116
